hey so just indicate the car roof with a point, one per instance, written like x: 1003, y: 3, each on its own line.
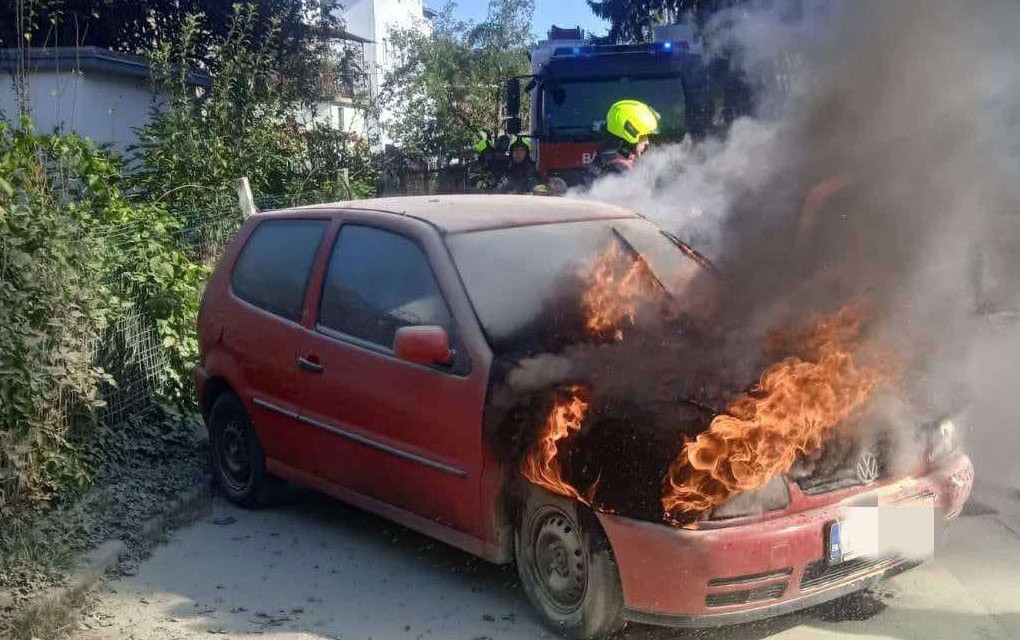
x: 477, y: 212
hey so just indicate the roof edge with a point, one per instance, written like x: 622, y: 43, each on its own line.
x: 86, y: 59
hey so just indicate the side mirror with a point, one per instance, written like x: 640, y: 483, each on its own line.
x: 513, y: 98
x: 427, y: 345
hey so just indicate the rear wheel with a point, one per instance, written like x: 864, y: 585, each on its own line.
x: 567, y: 568
x: 239, y: 465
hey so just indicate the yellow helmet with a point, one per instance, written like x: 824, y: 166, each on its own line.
x: 630, y: 120
x: 481, y: 144
x: 523, y: 141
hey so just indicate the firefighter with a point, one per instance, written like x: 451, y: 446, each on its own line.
x: 521, y: 175
x: 488, y: 167
x: 628, y: 123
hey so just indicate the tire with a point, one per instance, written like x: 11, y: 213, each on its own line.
x: 239, y: 465
x: 567, y: 568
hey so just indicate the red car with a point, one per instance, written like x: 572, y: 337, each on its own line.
x: 349, y: 348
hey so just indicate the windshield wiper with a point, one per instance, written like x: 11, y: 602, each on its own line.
x: 691, y: 252
x: 637, y: 257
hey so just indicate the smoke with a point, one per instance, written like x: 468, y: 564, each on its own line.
x: 882, y: 166
x: 883, y: 162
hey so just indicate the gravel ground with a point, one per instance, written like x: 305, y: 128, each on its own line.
x: 140, y: 464
x: 320, y: 569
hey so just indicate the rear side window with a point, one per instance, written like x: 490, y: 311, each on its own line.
x: 273, y: 269
x: 377, y: 282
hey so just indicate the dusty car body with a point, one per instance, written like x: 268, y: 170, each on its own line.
x: 298, y: 380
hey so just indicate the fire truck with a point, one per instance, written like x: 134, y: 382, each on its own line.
x: 573, y: 83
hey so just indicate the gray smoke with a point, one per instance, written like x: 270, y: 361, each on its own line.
x: 914, y: 106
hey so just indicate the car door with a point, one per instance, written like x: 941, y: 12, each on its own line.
x: 403, y: 433
x: 262, y: 330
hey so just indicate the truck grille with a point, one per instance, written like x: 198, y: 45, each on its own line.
x: 821, y: 574
x: 769, y: 592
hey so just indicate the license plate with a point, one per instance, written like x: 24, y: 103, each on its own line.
x: 906, y: 529
x: 840, y: 542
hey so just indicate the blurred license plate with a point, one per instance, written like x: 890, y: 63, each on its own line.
x: 842, y: 541
x: 906, y: 529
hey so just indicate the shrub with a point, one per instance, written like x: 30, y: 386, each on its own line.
x: 198, y: 142
x: 75, y: 257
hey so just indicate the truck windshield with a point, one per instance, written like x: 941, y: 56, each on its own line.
x: 519, y: 277
x: 580, y: 113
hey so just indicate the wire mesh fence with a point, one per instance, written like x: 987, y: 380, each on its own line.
x: 130, y: 350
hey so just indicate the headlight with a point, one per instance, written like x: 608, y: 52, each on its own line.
x: 774, y: 495
x: 943, y: 439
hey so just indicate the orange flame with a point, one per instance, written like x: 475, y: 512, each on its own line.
x: 616, y: 284
x: 540, y: 464
x: 788, y: 413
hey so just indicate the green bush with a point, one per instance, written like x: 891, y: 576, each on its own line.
x: 80, y: 261
x: 51, y: 311
x: 75, y: 256
x: 198, y: 142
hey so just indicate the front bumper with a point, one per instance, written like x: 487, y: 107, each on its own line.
x: 762, y: 567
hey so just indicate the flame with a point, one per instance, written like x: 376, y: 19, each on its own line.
x: 540, y: 464
x: 616, y: 283
x: 787, y: 414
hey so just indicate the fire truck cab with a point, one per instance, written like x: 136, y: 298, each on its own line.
x: 574, y: 82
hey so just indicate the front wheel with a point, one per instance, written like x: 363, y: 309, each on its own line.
x: 567, y: 568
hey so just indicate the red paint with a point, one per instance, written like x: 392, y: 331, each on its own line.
x: 423, y: 345
x: 666, y: 570
x: 405, y: 440
x: 565, y: 156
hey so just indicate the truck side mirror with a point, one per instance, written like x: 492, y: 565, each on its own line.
x: 513, y: 106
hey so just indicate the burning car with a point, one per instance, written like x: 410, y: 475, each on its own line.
x: 532, y: 380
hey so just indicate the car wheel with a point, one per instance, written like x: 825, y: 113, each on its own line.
x: 567, y: 567
x: 239, y: 465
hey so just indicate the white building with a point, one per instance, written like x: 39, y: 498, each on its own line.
x: 99, y: 94
x: 375, y: 20
x: 339, y: 105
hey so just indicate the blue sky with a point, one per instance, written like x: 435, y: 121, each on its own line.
x: 563, y: 13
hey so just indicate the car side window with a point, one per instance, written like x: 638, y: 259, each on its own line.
x: 273, y: 269
x: 377, y: 282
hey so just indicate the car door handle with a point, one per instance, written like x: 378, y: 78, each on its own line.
x: 309, y: 366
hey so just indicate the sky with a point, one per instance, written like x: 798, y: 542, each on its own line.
x: 562, y: 13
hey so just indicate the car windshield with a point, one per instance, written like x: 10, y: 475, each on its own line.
x: 578, y: 109
x: 513, y: 275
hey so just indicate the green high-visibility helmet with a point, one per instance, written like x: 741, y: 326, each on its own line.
x: 631, y: 120
x: 521, y: 140
x: 482, y: 144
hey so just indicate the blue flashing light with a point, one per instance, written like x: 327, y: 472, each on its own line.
x: 667, y: 46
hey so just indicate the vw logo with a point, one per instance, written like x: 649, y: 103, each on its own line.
x: 867, y: 467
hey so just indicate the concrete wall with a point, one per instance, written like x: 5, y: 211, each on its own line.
x: 105, y: 108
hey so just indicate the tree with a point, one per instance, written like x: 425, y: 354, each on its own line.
x: 195, y: 146
x: 301, y: 29
x: 632, y: 20
x: 449, y: 86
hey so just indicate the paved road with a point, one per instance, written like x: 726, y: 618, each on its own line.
x: 319, y: 569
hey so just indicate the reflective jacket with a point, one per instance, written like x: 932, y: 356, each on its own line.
x: 521, y: 177
x: 610, y: 161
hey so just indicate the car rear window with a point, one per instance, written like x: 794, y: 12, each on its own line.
x: 377, y: 282
x: 273, y: 269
